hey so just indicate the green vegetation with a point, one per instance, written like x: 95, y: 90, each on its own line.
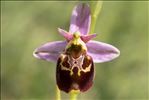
x: 25, y: 25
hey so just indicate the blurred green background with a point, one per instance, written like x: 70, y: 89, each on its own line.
x: 27, y: 25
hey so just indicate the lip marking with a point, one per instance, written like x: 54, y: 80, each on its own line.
x: 75, y: 63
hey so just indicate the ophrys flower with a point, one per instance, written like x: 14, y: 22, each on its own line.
x: 76, y: 56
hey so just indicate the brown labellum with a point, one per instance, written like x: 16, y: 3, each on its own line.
x: 74, y: 73
x: 75, y: 69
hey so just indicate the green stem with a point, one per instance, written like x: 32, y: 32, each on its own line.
x: 58, y: 94
x: 74, y: 94
x: 95, y: 10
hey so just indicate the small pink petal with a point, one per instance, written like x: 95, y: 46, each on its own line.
x: 102, y: 52
x: 50, y: 51
x: 86, y: 38
x: 68, y: 36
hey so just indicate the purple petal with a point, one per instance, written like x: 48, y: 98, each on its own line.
x: 80, y: 19
x: 102, y: 52
x: 65, y: 34
x: 50, y: 51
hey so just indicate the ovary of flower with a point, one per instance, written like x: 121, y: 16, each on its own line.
x: 75, y: 63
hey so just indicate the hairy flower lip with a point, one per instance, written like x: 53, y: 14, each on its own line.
x: 68, y: 80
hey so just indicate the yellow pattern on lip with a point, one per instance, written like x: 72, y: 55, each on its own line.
x: 75, y: 63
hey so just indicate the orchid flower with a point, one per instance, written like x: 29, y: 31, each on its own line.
x: 76, y: 55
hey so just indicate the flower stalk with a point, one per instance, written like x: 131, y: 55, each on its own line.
x: 58, y: 94
x: 74, y: 94
x: 95, y: 10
